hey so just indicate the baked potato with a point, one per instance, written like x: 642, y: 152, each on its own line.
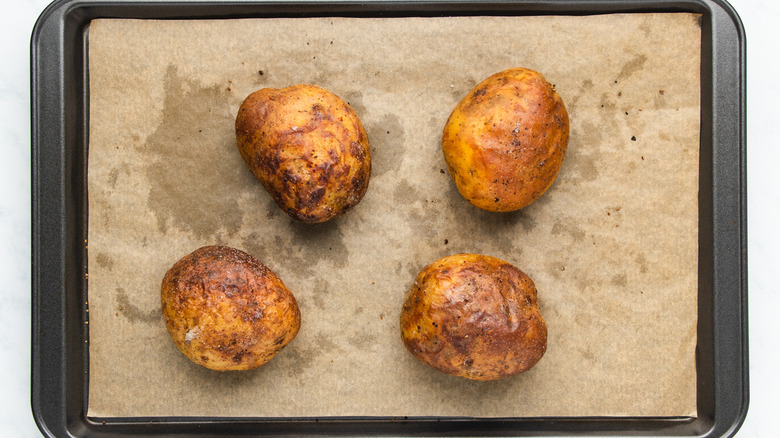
x: 226, y: 310
x: 307, y: 147
x: 504, y: 143
x: 474, y: 316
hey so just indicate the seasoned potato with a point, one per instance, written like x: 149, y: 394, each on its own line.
x: 226, y: 310
x: 505, y: 141
x: 308, y: 149
x: 474, y: 316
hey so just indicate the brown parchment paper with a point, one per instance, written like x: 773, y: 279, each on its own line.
x: 612, y: 246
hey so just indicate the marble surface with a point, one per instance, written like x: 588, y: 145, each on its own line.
x: 759, y: 18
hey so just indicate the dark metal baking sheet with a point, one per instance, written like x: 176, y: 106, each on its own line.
x: 60, y: 353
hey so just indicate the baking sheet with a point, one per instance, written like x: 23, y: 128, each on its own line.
x: 612, y: 246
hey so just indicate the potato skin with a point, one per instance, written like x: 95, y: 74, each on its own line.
x: 226, y: 310
x: 308, y: 149
x: 504, y: 143
x: 474, y: 316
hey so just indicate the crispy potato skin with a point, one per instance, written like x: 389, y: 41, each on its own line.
x: 308, y: 149
x: 226, y: 310
x: 504, y: 143
x: 474, y: 316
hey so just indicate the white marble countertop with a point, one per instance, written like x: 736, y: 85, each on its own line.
x: 763, y: 36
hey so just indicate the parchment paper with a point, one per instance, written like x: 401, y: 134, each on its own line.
x: 612, y: 246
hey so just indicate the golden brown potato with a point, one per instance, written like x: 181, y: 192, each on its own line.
x: 226, y: 310
x: 474, y: 316
x: 505, y: 141
x: 308, y: 149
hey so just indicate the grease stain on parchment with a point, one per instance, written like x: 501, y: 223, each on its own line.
x: 362, y: 340
x: 487, y: 224
x: 298, y: 247
x: 134, y: 313
x: 568, y: 227
x: 587, y: 353
x: 634, y: 65
x: 104, y: 261
x: 355, y: 100
x: 641, y: 260
x: 584, y: 90
x: 113, y: 175
x: 320, y: 242
x: 386, y: 139
x: 326, y: 343
x: 619, y: 280
x: 581, y: 164
x: 406, y: 194
x: 296, y: 357
x: 321, y: 293
x: 194, y: 170
x: 436, y: 223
